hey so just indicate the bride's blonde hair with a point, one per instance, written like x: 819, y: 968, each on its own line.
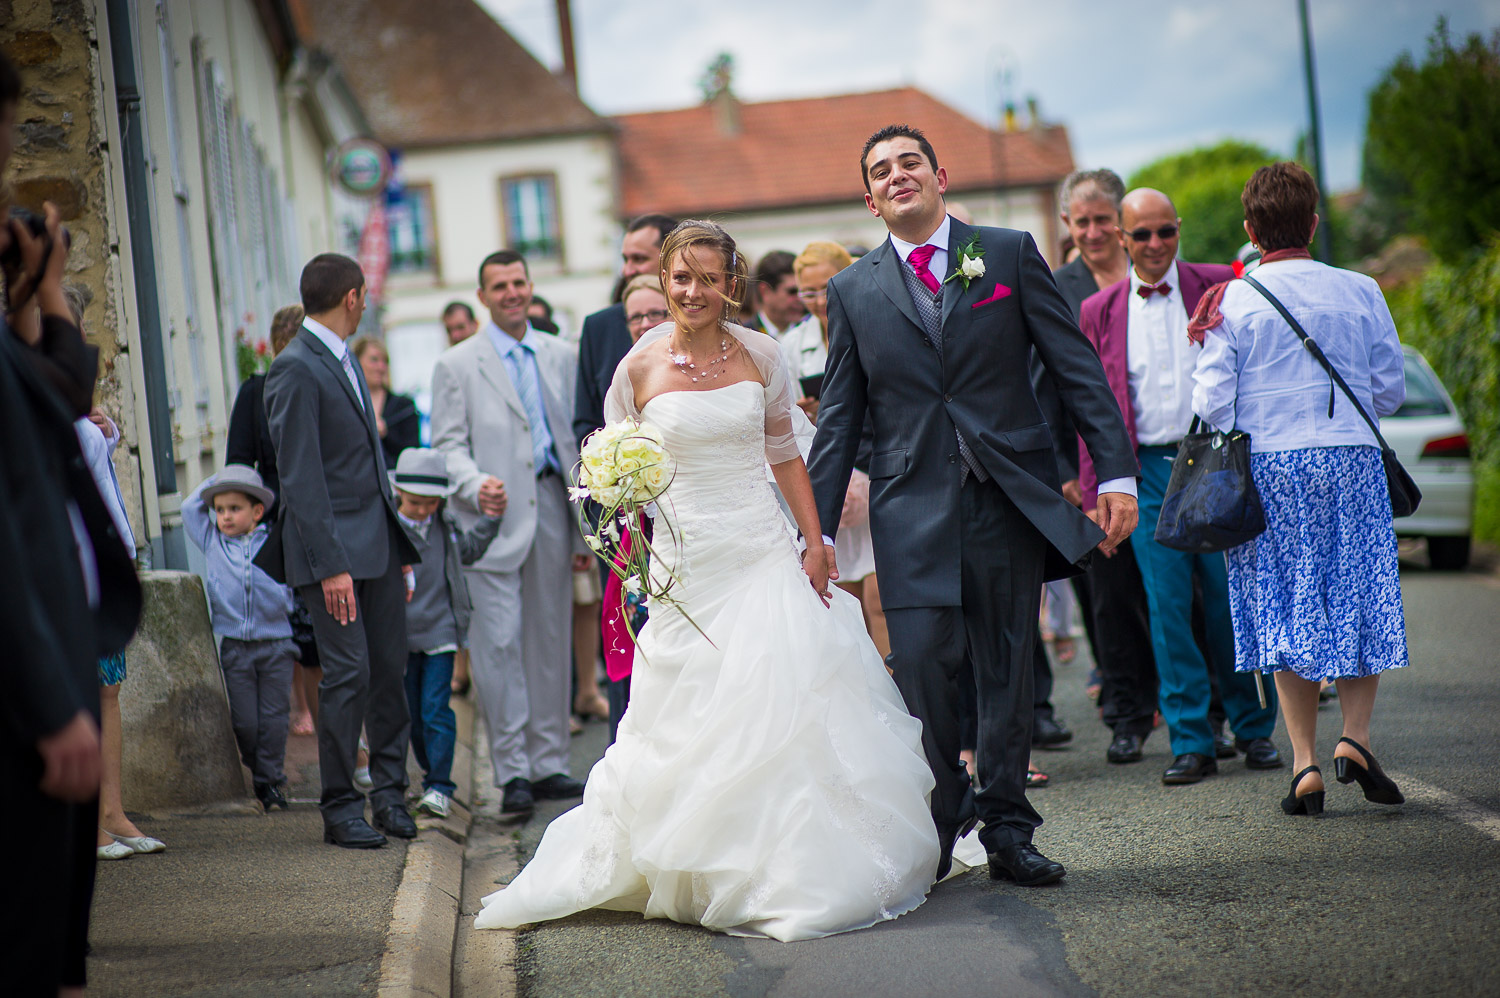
x: 701, y: 232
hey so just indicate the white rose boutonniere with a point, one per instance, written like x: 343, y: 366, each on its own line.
x: 970, y: 261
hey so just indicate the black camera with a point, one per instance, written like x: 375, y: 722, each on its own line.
x: 10, y: 258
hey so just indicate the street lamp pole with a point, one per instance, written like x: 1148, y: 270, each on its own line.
x: 1323, y: 247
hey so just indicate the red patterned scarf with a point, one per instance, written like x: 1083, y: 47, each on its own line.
x: 1207, y: 315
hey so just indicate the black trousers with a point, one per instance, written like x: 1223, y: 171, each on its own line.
x: 364, y: 670
x: 44, y: 922
x: 994, y: 633
x: 1122, y: 629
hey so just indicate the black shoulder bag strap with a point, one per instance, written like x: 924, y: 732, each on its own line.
x: 1318, y: 355
x: 1405, y: 496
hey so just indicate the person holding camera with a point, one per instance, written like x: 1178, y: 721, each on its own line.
x: 70, y: 595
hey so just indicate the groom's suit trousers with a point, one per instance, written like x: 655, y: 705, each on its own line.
x: 994, y: 631
x: 520, y: 647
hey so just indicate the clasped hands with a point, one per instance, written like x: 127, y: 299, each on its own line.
x: 821, y: 568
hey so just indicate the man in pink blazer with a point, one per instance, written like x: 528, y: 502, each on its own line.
x: 1139, y: 327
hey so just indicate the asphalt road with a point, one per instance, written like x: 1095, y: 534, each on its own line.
x: 1197, y: 890
x: 244, y: 904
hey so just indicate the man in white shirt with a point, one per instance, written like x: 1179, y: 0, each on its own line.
x: 1139, y: 327
x: 778, y: 308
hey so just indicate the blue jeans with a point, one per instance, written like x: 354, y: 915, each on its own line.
x: 1168, y: 576
x: 434, y: 729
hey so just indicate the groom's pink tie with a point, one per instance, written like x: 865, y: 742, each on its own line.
x: 919, y: 259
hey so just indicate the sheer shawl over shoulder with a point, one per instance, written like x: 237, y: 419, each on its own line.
x: 786, y: 424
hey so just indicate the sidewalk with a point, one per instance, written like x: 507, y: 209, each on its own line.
x: 244, y: 903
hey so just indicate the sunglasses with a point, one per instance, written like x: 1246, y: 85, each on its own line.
x: 655, y: 316
x: 1144, y: 235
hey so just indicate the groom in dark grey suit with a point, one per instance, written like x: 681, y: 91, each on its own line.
x: 931, y: 335
x: 341, y: 545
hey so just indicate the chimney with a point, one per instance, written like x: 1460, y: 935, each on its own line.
x: 726, y: 112
x: 565, y: 37
x: 1034, y: 113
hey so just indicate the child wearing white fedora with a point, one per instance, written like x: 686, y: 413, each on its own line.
x: 437, y: 611
x: 251, y: 614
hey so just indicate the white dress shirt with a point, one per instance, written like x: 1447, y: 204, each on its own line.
x: 1160, y: 359
x: 938, y: 241
x: 338, y: 347
x: 803, y: 349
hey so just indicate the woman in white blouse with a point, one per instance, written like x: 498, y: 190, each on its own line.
x: 1317, y: 595
x: 804, y: 347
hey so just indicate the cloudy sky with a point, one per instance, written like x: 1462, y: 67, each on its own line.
x: 1131, y: 81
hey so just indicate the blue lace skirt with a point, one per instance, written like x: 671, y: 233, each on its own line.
x: 1319, y: 593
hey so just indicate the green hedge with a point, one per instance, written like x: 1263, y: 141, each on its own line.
x: 1452, y: 315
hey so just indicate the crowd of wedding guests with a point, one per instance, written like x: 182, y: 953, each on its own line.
x: 358, y: 580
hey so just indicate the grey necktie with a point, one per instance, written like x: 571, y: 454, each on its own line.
x: 354, y: 380
x: 930, y: 310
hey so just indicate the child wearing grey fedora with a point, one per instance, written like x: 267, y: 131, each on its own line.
x: 251, y: 614
x: 437, y: 611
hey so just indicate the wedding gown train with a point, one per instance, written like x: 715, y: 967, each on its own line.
x: 767, y: 780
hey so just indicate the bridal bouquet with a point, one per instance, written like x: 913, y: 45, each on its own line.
x: 625, y: 468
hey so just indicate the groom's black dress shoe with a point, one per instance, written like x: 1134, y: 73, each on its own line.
x: 394, y: 820
x: 1260, y: 753
x: 1125, y: 748
x: 353, y: 834
x: 1047, y: 733
x: 558, y: 786
x: 1022, y: 863
x: 945, y: 847
x: 1190, y: 767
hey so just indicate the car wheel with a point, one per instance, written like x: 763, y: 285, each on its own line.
x: 1448, y: 554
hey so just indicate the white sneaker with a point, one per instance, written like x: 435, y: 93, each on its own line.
x: 362, y: 778
x: 435, y: 803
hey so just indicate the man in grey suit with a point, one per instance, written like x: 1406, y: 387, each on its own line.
x: 931, y: 335
x: 343, y: 548
x: 499, y: 420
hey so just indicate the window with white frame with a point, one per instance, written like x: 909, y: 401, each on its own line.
x: 412, y: 232
x: 529, y: 206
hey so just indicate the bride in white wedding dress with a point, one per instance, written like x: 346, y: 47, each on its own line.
x: 767, y: 780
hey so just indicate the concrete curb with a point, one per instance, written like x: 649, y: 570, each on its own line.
x: 418, y: 959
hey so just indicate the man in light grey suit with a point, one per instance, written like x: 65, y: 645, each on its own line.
x: 499, y: 419
x: 339, y: 542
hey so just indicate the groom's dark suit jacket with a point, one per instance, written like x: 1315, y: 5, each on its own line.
x: 880, y: 362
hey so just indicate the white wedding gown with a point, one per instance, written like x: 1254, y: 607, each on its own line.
x: 770, y: 783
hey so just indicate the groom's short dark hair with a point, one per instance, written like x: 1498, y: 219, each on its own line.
x: 895, y: 132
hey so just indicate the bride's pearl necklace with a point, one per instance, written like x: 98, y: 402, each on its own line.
x: 710, y: 371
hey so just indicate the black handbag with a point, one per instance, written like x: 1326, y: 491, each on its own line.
x: 1211, y: 502
x: 1405, y: 496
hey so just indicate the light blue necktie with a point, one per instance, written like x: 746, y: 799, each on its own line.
x: 524, y: 374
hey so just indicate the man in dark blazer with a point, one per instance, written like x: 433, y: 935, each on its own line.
x: 70, y: 596
x: 342, y: 547
x: 1111, y: 590
x: 965, y: 509
x: 605, y: 340
x: 1139, y: 327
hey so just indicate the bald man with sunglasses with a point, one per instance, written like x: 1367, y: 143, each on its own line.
x: 1139, y: 327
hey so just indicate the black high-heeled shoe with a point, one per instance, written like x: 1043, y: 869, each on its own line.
x: 1378, y: 788
x: 1308, y: 803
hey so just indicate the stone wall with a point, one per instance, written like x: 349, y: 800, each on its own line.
x: 59, y: 157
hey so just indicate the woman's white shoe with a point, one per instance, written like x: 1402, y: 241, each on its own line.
x: 140, y: 843
x: 115, y: 850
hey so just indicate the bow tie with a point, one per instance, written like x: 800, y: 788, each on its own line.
x: 1147, y: 290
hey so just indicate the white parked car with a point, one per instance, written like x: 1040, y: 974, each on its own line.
x: 1428, y: 436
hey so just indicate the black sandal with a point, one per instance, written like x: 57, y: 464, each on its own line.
x: 1310, y: 803
x: 1378, y: 788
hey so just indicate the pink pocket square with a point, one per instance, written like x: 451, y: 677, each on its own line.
x: 1001, y: 291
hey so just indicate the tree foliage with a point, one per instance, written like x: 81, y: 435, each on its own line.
x: 1452, y: 314
x: 1432, y: 144
x: 1205, y: 184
